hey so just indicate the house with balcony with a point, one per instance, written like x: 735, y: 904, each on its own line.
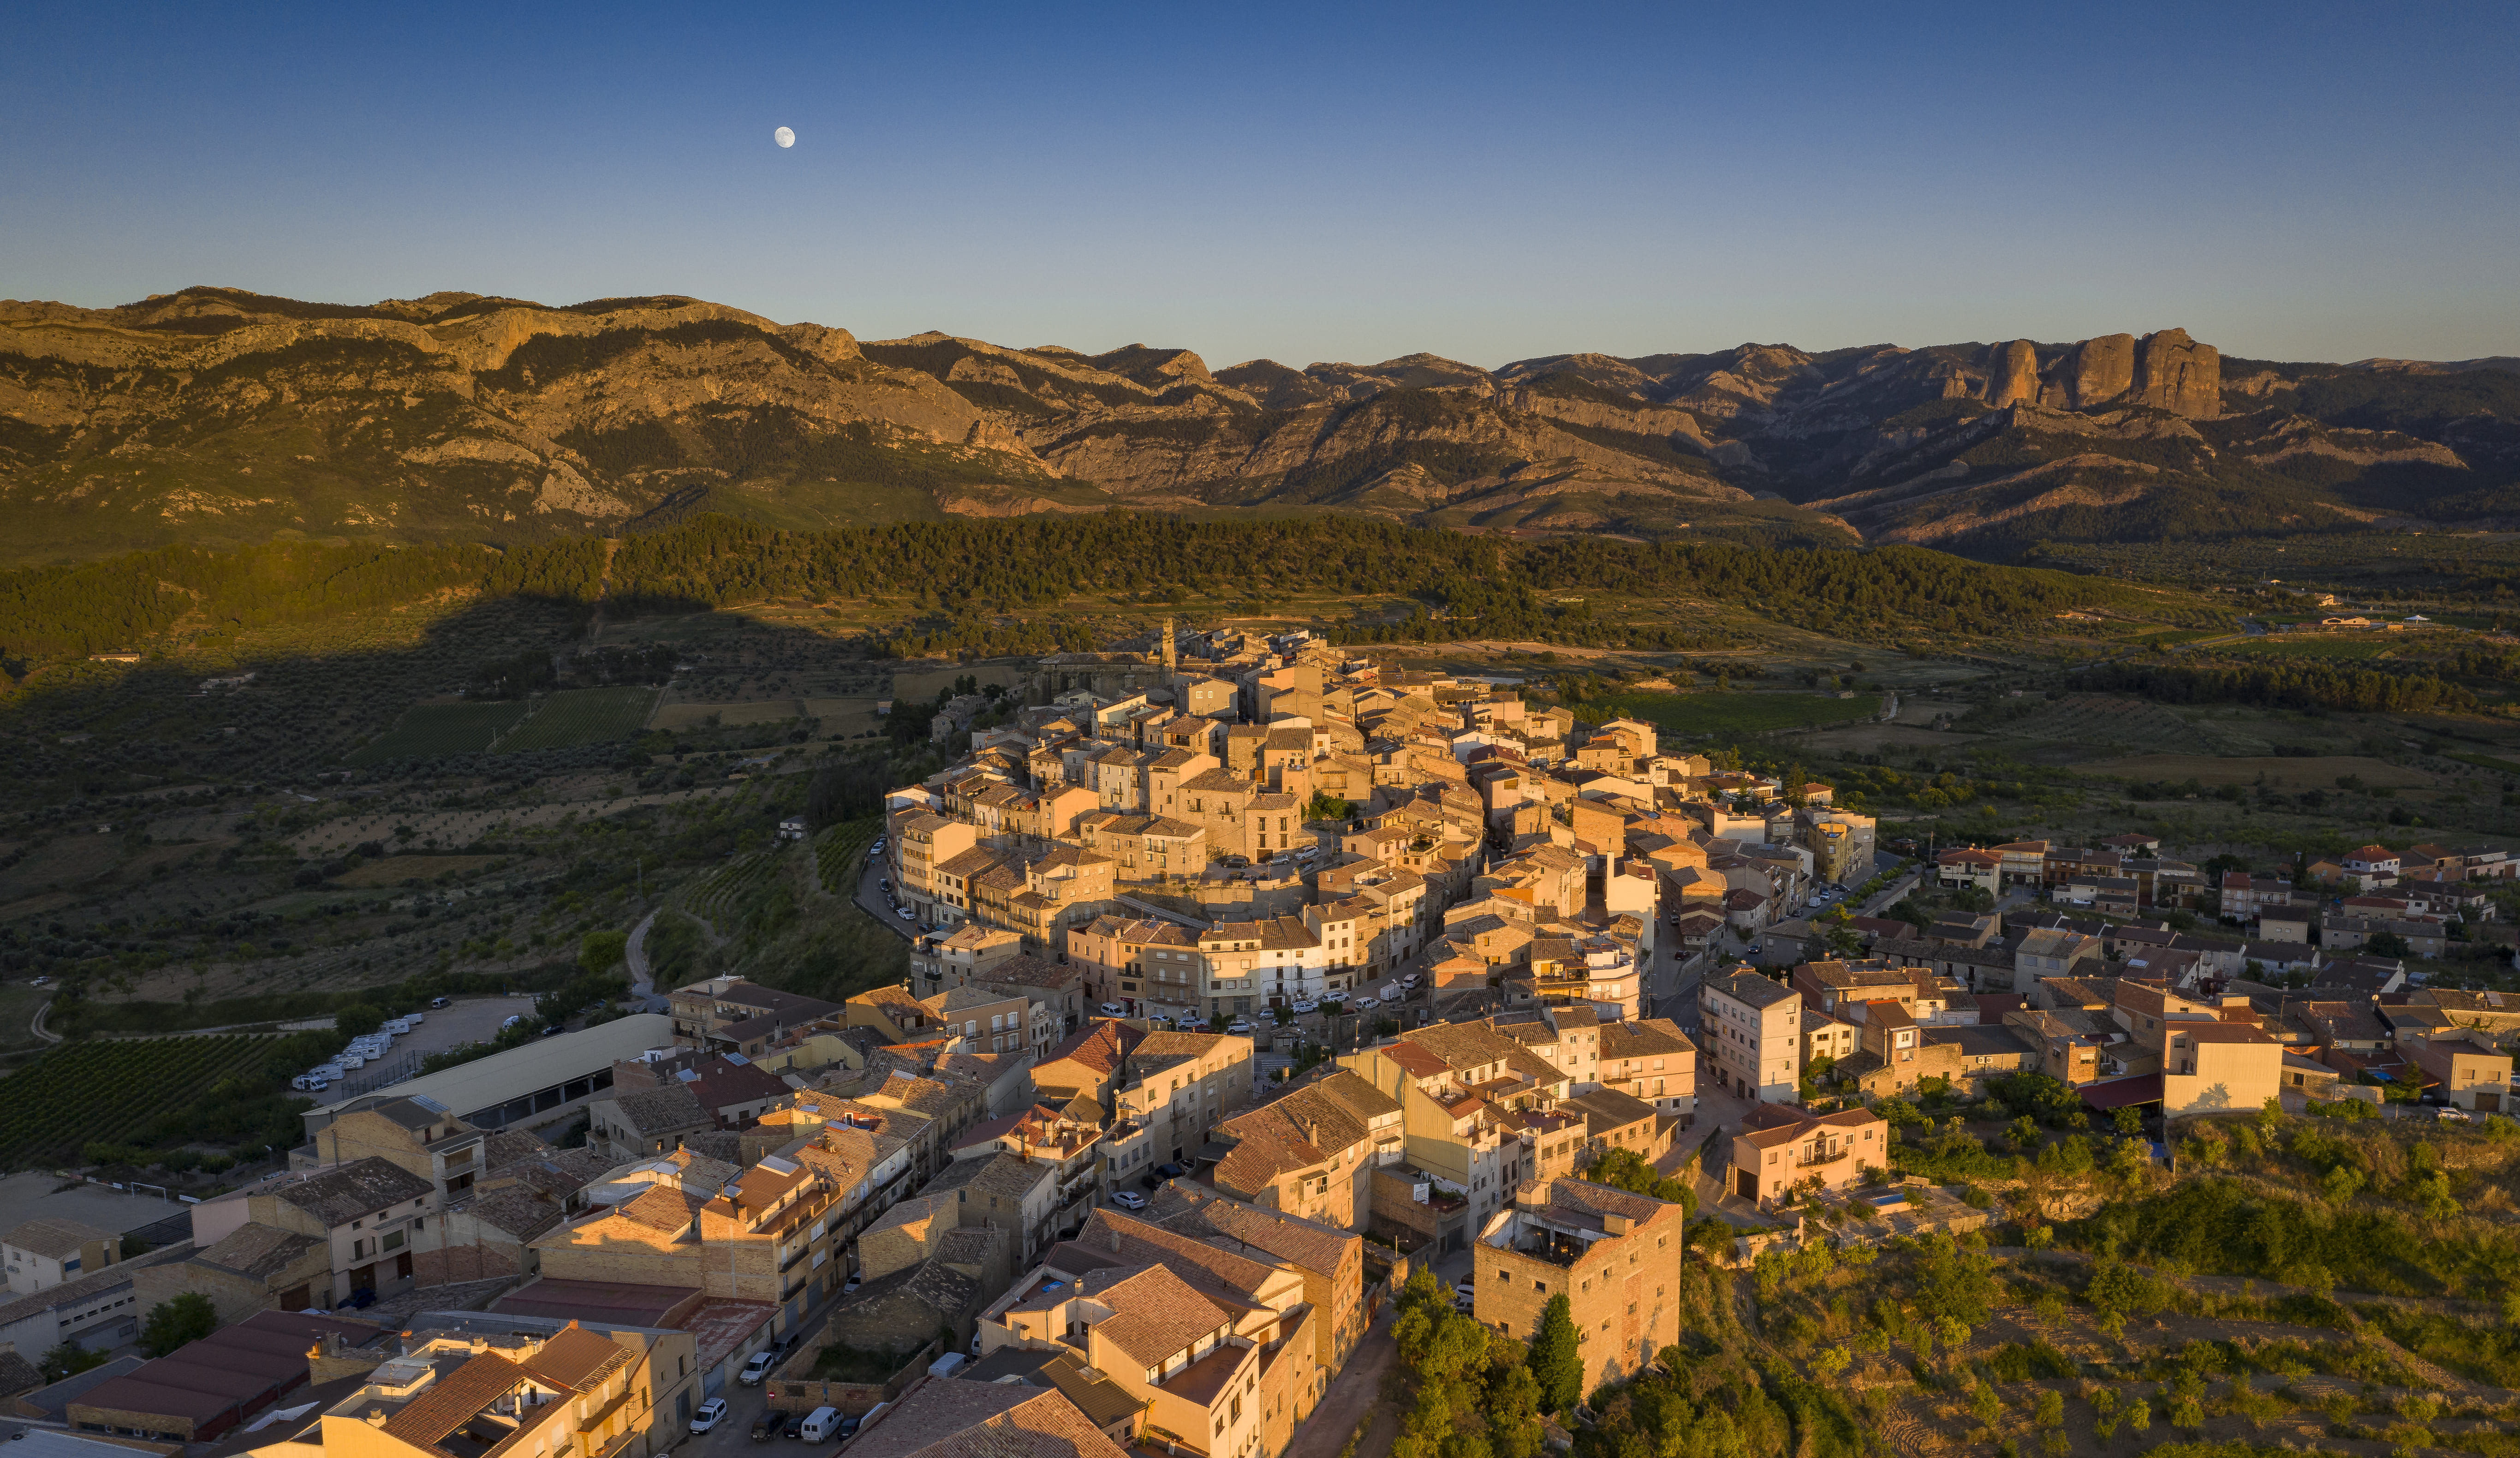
x: 1782, y: 1147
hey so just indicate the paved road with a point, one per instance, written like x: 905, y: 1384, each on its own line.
x: 1353, y: 1394
x: 871, y: 898
x: 643, y: 981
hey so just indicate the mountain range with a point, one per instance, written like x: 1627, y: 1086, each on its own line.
x: 216, y: 415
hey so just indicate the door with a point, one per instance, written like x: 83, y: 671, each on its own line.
x: 2488, y: 1103
x: 1746, y: 1184
x: 293, y: 1299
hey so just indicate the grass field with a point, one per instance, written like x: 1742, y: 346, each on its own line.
x: 2296, y: 771
x: 1721, y: 714
x: 581, y: 716
x: 2488, y: 761
x: 394, y: 870
x: 91, y: 1091
x: 427, y: 730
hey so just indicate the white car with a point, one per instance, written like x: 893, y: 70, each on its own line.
x: 1411, y: 981
x: 2451, y: 1115
x: 1238, y: 1025
x: 758, y: 1368
x: 706, y: 1418
x: 1109, y: 1010
x: 1365, y: 1004
x: 1128, y: 1199
x: 903, y: 912
x: 1306, y: 1004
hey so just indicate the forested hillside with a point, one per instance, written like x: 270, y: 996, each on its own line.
x: 964, y: 572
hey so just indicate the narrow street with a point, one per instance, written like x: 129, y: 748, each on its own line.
x: 1353, y: 1394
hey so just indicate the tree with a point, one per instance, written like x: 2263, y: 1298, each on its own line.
x: 1556, y: 1363
x: 358, y: 1019
x: 172, y: 1323
x: 601, y: 951
x: 2128, y: 1120
x: 68, y: 1359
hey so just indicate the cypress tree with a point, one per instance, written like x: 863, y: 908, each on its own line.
x: 1554, y: 1359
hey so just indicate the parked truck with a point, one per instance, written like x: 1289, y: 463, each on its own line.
x: 1391, y: 993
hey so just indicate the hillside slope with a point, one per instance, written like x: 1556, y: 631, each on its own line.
x: 216, y: 415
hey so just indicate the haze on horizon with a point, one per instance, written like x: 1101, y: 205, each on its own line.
x: 2289, y: 183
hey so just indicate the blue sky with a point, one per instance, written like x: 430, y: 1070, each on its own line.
x: 1357, y: 182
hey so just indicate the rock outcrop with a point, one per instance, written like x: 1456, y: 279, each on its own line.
x: 2175, y: 373
x: 2013, y: 375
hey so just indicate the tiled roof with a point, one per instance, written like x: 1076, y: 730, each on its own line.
x: 1156, y: 1313
x: 259, y: 1252
x: 983, y: 1420
x: 345, y: 1192
x: 1195, y: 1260
x: 454, y: 1398
x: 1189, y: 1209
x: 660, y: 1111
x: 576, y: 1357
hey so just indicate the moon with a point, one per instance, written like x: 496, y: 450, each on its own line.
x: 784, y: 137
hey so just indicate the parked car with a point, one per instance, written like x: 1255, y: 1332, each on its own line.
x: 849, y: 1422
x: 435, y: 1002
x: 1238, y: 1024
x: 852, y: 1283
x: 1109, y: 1010
x: 2452, y: 1114
x: 887, y: 883
x: 764, y: 1426
x: 1367, y: 1004
x: 512, y: 1021
x: 758, y: 1368
x: 1306, y: 1004
x: 706, y: 1418
x: 796, y: 1425
x: 905, y: 913
x: 1128, y: 1199
x: 1169, y: 1171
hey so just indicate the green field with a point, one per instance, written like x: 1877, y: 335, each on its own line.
x: 581, y: 716
x: 1721, y: 714
x: 86, y: 1093
x: 427, y: 730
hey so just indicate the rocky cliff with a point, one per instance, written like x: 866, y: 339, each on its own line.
x: 212, y: 414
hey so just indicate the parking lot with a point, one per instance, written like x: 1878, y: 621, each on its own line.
x: 468, y: 1020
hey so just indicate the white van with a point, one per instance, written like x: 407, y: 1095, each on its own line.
x: 819, y: 1425
x: 948, y: 1364
x: 309, y: 1082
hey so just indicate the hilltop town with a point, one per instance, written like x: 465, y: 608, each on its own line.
x: 1270, y: 1009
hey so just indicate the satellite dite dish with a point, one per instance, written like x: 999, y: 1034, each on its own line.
x: 784, y: 137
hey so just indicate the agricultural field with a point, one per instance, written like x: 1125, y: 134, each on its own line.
x: 725, y: 891
x: 1723, y: 713
x: 581, y: 716
x: 2092, y: 719
x: 753, y: 711
x: 2311, y: 771
x: 394, y: 870
x: 840, y: 851
x: 2366, y: 646
x: 88, y: 1092
x: 427, y: 731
